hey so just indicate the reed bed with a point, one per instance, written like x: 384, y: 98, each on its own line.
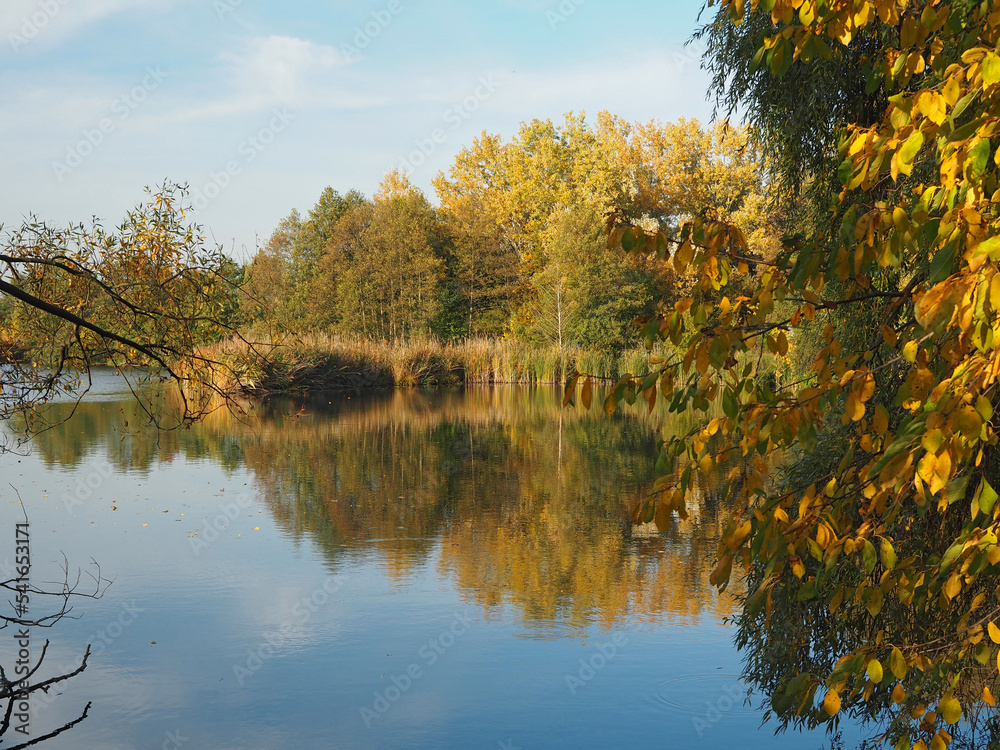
x: 327, y: 363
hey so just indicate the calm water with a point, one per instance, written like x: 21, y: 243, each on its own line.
x: 409, y: 570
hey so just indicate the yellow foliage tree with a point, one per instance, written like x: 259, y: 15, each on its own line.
x: 884, y: 561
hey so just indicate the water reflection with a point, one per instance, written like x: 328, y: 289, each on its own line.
x: 519, y: 503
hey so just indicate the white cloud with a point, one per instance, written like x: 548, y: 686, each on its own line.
x: 283, y: 67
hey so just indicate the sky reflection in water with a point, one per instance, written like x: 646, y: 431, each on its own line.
x: 406, y: 570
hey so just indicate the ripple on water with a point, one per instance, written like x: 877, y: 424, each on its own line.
x: 696, y: 694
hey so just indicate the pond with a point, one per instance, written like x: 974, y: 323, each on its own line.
x: 402, y: 570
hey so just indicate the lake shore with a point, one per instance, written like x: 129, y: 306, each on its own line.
x: 317, y: 363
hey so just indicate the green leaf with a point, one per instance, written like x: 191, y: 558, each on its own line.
x: 941, y: 265
x: 979, y: 156
x: 957, y: 489
x: 889, y: 558
x: 962, y: 104
x: 987, y: 497
x: 951, y: 555
x: 960, y: 134
x: 781, y: 58
x: 730, y: 404
x: 846, y: 171
x: 808, y: 591
x: 869, y: 556
x: 909, y: 152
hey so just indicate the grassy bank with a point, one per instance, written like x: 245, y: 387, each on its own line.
x: 317, y: 363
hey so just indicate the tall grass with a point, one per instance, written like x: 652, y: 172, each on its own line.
x: 319, y: 362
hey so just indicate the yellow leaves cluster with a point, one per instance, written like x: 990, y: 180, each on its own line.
x: 916, y: 403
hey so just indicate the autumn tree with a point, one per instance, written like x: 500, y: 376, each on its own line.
x: 391, y: 289
x: 267, y: 292
x: 142, y: 298
x: 864, y: 513
x: 656, y: 174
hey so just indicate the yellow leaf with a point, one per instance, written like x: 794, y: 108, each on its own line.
x: 994, y: 633
x: 898, y: 694
x: 854, y: 410
x: 881, y: 421
x: 875, y: 672
x: 831, y: 704
x: 588, y: 394
x: 988, y: 698
x: 950, y: 709
x: 954, y: 586
x: 702, y: 362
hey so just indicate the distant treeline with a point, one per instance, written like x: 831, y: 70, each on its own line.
x: 515, y: 245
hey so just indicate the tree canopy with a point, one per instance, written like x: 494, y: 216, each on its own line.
x: 492, y: 258
x: 864, y: 513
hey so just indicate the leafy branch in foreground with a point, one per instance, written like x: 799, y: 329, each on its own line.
x: 864, y: 507
x: 141, y: 299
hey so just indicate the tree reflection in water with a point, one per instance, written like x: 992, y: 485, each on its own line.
x: 521, y: 503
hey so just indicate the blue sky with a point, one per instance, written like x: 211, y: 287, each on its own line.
x: 260, y: 104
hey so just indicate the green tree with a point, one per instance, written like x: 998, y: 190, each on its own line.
x: 586, y: 294
x: 390, y: 288
x: 267, y: 291
x: 309, y: 246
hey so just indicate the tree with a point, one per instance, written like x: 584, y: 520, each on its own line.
x: 586, y: 295
x: 309, y: 245
x: 143, y: 298
x: 482, y: 267
x: 872, y: 560
x: 268, y: 282
x: 391, y: 288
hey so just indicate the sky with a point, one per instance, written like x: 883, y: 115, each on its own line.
x: 258, y: 105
